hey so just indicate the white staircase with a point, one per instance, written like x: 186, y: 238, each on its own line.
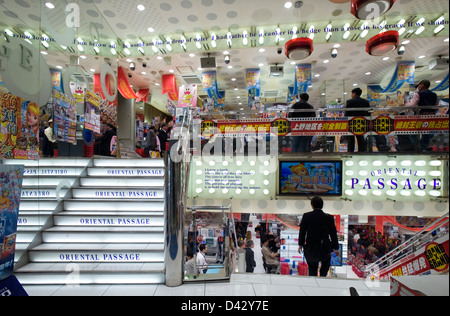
x: 110, y: 232
x: 46, y: 183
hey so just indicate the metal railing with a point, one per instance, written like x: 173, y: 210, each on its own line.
x: 418, y: 241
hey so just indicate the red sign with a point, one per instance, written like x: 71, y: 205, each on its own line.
x: 434, y: 258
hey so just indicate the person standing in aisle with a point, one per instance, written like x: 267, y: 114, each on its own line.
x: 105, y: 140
x: 357, y: 102
x: 250, y: 257
x: 163, y: 137
x: 318, y: 238
x: 301, y: 144
x: 423, y: 98
x: 49, y: 142
x: 202, y: 264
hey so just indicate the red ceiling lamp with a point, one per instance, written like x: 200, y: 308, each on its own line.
x: 299, y: 48
x: 371, y: 9
x: 383, y: 43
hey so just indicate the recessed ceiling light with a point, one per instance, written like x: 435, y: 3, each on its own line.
x: 326, y: 61
x: 261, y: 50
x: 386, y: 58
x: 421, y: 56
x: 317, y: 75
x: 233, y: 79
x: 288, y: 5
x: 59, y: 67
x: 368, y: 73
x: 49, y: 5
x: 151, y: 29
x: 226, y: 52
x: 140, y: 7
x: 192, y: 55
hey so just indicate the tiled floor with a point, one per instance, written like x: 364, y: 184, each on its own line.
x: 259, y: 285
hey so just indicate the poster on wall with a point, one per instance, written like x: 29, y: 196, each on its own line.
x: 65, y: 117
x: 11, y: 178
x: 92, y: 114
x: 19, y: 126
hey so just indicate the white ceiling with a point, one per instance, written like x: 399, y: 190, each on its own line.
x: 121, y: 21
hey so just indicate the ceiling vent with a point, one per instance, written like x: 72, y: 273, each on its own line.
x: 191, y: 79
x: 272, y: 94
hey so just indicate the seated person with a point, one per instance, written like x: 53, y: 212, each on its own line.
x: 270, y: 257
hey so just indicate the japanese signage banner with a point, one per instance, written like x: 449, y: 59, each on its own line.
x: 11, y: 178
x: 169, y: 86
x: 19, y: 126
x: 358, y: 126
x: 434, y: 259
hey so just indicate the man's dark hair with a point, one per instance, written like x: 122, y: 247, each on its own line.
x: 317, y: 203
x: 357, y: 91
x: 304, y: 96
x: 202, y: 247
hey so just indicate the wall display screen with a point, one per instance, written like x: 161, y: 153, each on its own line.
x: 310, y: 178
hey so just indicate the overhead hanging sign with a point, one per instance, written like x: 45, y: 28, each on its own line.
x: 188, y: 96
x: 302, y: 78
x: 253, y: 84
x: 169, y: 86
x: 10, y: 191
x: 124, y: 86
x: 404, y: 73
x: 209, y: 82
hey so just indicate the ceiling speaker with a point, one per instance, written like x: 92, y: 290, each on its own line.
x: 383, y: 43
x: 370, y: 9
x: 299, y: 48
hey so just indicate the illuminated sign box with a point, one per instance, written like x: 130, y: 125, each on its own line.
x: 216, y: 177
x: 399, y: 178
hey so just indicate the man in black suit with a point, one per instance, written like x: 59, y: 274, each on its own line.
x: 318, y: 238
x: 301, y: 143
x: 357, y: 102
x: 163, y: 137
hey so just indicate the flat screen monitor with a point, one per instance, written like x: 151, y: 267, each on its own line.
x: 302, y: 178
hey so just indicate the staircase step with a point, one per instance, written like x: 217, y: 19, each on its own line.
x: 112, y: 235
x: 121, y: 183
x: 126, y: 172
x: 120, y: 220
x: 113, y: 205
x: 96, y: 256
x: 147, y: 163
x: 117, y: 194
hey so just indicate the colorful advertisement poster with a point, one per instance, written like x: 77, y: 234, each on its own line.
x: 19, y: 126
x: 188, y: 96
x: 11, y: 178
x: 209, y: 83
x: 253, y: 85
x: 92, y: 114
x: 311, y: 178
x: 65, y: 117
x: 303, y: 78
x: 404, y: 73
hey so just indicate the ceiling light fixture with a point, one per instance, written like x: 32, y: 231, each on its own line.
x: 370, y: 9
x: 383, y: 43
x: 299, y: 48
